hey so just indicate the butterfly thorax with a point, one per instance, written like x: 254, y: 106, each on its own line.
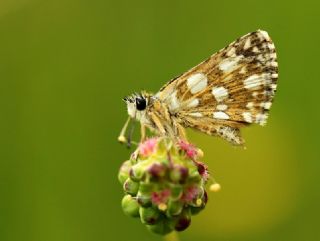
x: 154, y: 113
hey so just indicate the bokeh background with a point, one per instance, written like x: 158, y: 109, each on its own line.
x: 66, y: 64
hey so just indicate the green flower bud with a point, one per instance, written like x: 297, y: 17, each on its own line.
x: 146, y: 188
x: 131, y: 187
x: 176, y: 191
x: 130, y: 206
x: 163, y: 227
x: 196, y: 209
x: 183, y: 221
x: 194, y: 175
x: 149, y: 215
x: 197, y: 200
x: 157, y: 170
x: 174, y: 208
x: 179, y: 173
x: 144, y: 199
x: 124, y: 172
x: 137, y: 172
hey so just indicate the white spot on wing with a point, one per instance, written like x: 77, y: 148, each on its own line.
x: 195, y: 114
x: 243, y: 70
x: 197, y: 82
x: 254, y: 81
x: 222, y: 107
x: 273, y: 55
x: 220, y: 115
x: 231, y: 52
x: 247, y: 117
x: 261, y: 119
x: 173, y: 101
x: 266, y: 105
x: 265, y: 35
x: 229, y: 64
x: 255, y: 49
x: 261, y: 58
x: 220, y: 93
x: 274, y: 64
x: 193, y: 103
x: 271, y: 46
x: 249, y: 105
x: 247, y: 44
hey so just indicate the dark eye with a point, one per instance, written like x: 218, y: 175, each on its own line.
x: 141, y: 103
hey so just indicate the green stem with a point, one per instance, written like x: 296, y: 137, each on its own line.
x: 173, y: 236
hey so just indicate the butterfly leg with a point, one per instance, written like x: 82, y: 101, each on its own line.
x: 143, y: 133
x: 181, y: 131
x: 156, y: 120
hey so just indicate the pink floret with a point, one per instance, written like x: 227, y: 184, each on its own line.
x: 190, y: 150
x: 148, y: 147
x: 190, y: 194
x: 203, y: 170
x: 160, y: 197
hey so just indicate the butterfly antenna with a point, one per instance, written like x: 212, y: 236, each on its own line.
x: 122, y: 138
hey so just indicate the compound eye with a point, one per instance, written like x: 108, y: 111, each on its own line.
x: 141, y: 103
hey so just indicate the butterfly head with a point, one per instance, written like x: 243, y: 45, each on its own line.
x: 137, y: 105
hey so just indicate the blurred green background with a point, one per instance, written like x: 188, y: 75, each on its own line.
x: 66, y: 64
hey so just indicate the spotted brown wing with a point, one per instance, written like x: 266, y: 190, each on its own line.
x: 232, y: 88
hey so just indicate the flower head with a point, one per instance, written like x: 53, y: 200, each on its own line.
x: 164, y: 184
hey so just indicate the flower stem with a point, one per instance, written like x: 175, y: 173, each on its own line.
x: 173, y: 236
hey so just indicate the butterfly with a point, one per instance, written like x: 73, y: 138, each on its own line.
x: 231, y: 89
